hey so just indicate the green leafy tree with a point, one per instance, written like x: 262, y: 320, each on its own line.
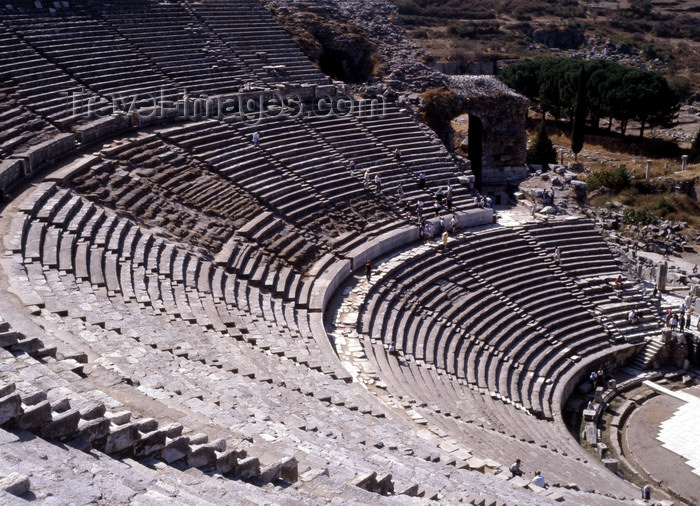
x: 578, y: 129
x: 613, y: 91
x: 522, y: 77
x: 542, y: 151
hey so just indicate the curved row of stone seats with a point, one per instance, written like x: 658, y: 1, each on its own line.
x: 138, y: 266
x: 419, y: 152
x: 615, y: 307
x: 584, y: 253
x: 492, y: 428
x: 307, y: 156
x: 19, y: 127
x: 257, y: 40
x: 151, y: 175
x: 90, y: 52
x: 37, y: 84
x: 46, y: 403
x: 187, y: 358
x: 442, y: 320
x: 525, y: 279
x: 278, y: 186
x: 184, y: 50
x: 355, y: 142
x: 465, y: 297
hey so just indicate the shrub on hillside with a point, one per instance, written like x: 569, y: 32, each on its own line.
x: 616, y: 179
x: 639, y: 217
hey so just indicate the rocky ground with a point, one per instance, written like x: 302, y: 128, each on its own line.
x: 666, y: 240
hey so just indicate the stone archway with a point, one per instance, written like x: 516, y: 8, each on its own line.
x: 498, y: 139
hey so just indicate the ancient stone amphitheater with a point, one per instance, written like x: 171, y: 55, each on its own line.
x: 186, y: 317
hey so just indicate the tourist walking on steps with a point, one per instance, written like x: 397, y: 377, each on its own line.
x: 557, y: 255
x: 444, y: 241
x: 421, y: 180
x: 378, y: 182
x: 352, y: 168
x: 368, y: 269
x: 515, y: 468
x: 399, y: 190
x: 256, y: 140
x: 366, y: 178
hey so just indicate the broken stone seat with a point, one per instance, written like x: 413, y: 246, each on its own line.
x: 115, y: 433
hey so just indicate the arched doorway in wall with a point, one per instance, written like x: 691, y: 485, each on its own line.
x: 468, y: 141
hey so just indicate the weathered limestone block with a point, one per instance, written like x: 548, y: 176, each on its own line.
x: 9, y: 338
x: 289, y: 468
x: 28, y: 346
x: 10, y: 407
x: 411, y: 490
x: 219, y: 445
x: 366, y: 481
x: 175, y: 449
x: 201, y: 456
x: 38, y: 155
x: 119, y: 418
x: 8, y: 389
x: 385, y: 485
x: 35, y: 415
x: 92, y: 412
x: 121, y: 437
x: 33, y: 398
x: 611, y: 464
x: 146, y: 424
x: 271, y: 473
x: 92, y: 430
x: 150, y: 443
x: 15, y: 484
x: 173, y: 430
x: 199, y: 439
x: 248, y: 468
x: 11, y: 171
x: 601, y: 450
x: 63, y: 425
x: 228, y: 460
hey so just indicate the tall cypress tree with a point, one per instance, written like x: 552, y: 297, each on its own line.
x: 542, y: 151
x: 578, y: 127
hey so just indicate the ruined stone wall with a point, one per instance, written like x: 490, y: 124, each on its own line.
x: 400, y: 72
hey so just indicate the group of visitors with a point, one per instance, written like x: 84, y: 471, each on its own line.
x: 597, y: 378
x: 538, y: 480
x: 483, y: 202
x: 680, y: 319
x: 548, y: 197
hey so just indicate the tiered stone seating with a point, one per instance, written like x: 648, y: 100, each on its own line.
x: 174, y: 269
x: 257, y: 362
x: 35, y: 84
x: 584, y: 253
x: 505, y: 329
x: 418, y: 152
x: 258, y: 41
x: 184, y: 50
x: 90, y: 52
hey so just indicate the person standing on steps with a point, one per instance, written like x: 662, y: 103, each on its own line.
x: 256, y: 140
x: 399, y: 190
x: 368, y: 269
x: 352, y: 168
x: 557, y: 255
